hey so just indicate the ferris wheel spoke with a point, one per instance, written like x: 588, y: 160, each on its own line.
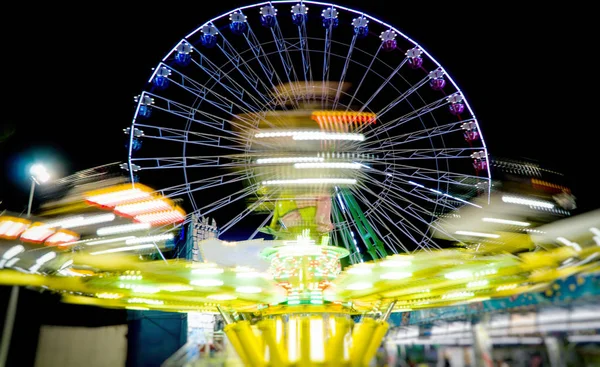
x: 263, y: 59
x: 264, y: 223
x: 304, y: 51
x: 413, y: 192
x: 432, y: 153
x: 428, y: 133
x: 326, y: 59
x: 186, y: 112
x: 237, y: 60
x: 385, y: 82
x: 183, y: 136
x: 384, y: 127
x: 413, y: 173
x: 225, y: 104
x: 218, y: 75
x: 402, y: 97
x: 184, y: 162
x: 363, y: 78
x: 244, y: 213
x: 338, y: 92
x: 404, y: 226
x: 284, y: 55
x: 204, y: 184
x: 230, y: 199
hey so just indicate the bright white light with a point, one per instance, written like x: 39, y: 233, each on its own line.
x: 12, y: 229
x: 506, y: 221
x: 395, y: 263
x: 395, y: 275
x: 458, y: 295
x: 584, y: 338
x: 122, y: 249
x: 575, y: 245
x: 122, y: 228
x: 342, y: 165
x: 12, y: 252
x: 328, y: 136
x: 506, y: 287
x: 146, y: 301
x: 359, y: 270
x: 207, y: 282
x: 110, y: 240
x: 222, y: 297
x: 478, y: 283
x: 595, y: 231
x: 248, y: 289
x: 146, y: 239
x: 39, y: 172
x: 530, y: 202
x: 459, y: 274
x: 250, y: 274
x: 311, y: 181
x: 142, y: 207
x: 46, y: 257
x: 81, y: 221
x: 208, y: 271
x: 359, y: 286
x: 311, y: 135
x: 478, y: 234
x: 289, y: 160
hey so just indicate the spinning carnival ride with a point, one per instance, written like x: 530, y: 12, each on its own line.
x: 324, y: 137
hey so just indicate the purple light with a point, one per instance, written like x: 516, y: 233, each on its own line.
x: 415, y: 62
x: 457, y: 108
x: 437, y: 84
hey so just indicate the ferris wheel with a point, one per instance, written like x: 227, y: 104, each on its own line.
x: 326, y: 107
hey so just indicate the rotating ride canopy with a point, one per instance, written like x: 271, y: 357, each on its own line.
x: 333, y: 136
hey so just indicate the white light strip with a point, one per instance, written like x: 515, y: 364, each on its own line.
x: 12, y: 252
x: 328, y: 136
x: 122, y: 249
x: 122, y: 228
x: 478, y: 234
x: 161, y: 237
x: 575, y: 245
x: 584, y: 338
x: 595, y: 231
x: 530, y: 202
x: 311, y: 135
x: 440, y: 193
x: 110, y: 240
x: 344, y: 165
x: 289, y: 160
x: 506, y: 221
x: 81, y: 221
x: 312, y: 181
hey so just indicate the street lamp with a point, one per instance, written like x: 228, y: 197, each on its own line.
x: 39, y: 175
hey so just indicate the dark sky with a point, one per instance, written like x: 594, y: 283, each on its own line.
x: 71, y: 75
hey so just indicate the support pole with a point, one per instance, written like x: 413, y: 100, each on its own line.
x: 11, y: 311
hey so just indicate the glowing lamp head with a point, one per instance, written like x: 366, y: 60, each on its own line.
x: 39, y: 172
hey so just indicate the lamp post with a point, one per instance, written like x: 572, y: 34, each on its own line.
x: 39, y: 175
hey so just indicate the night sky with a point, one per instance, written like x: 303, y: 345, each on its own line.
x: 72, y: 73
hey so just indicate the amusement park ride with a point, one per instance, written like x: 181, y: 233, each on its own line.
x: 349, y: 197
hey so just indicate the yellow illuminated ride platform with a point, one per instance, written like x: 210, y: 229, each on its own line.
x: 304, y: 303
